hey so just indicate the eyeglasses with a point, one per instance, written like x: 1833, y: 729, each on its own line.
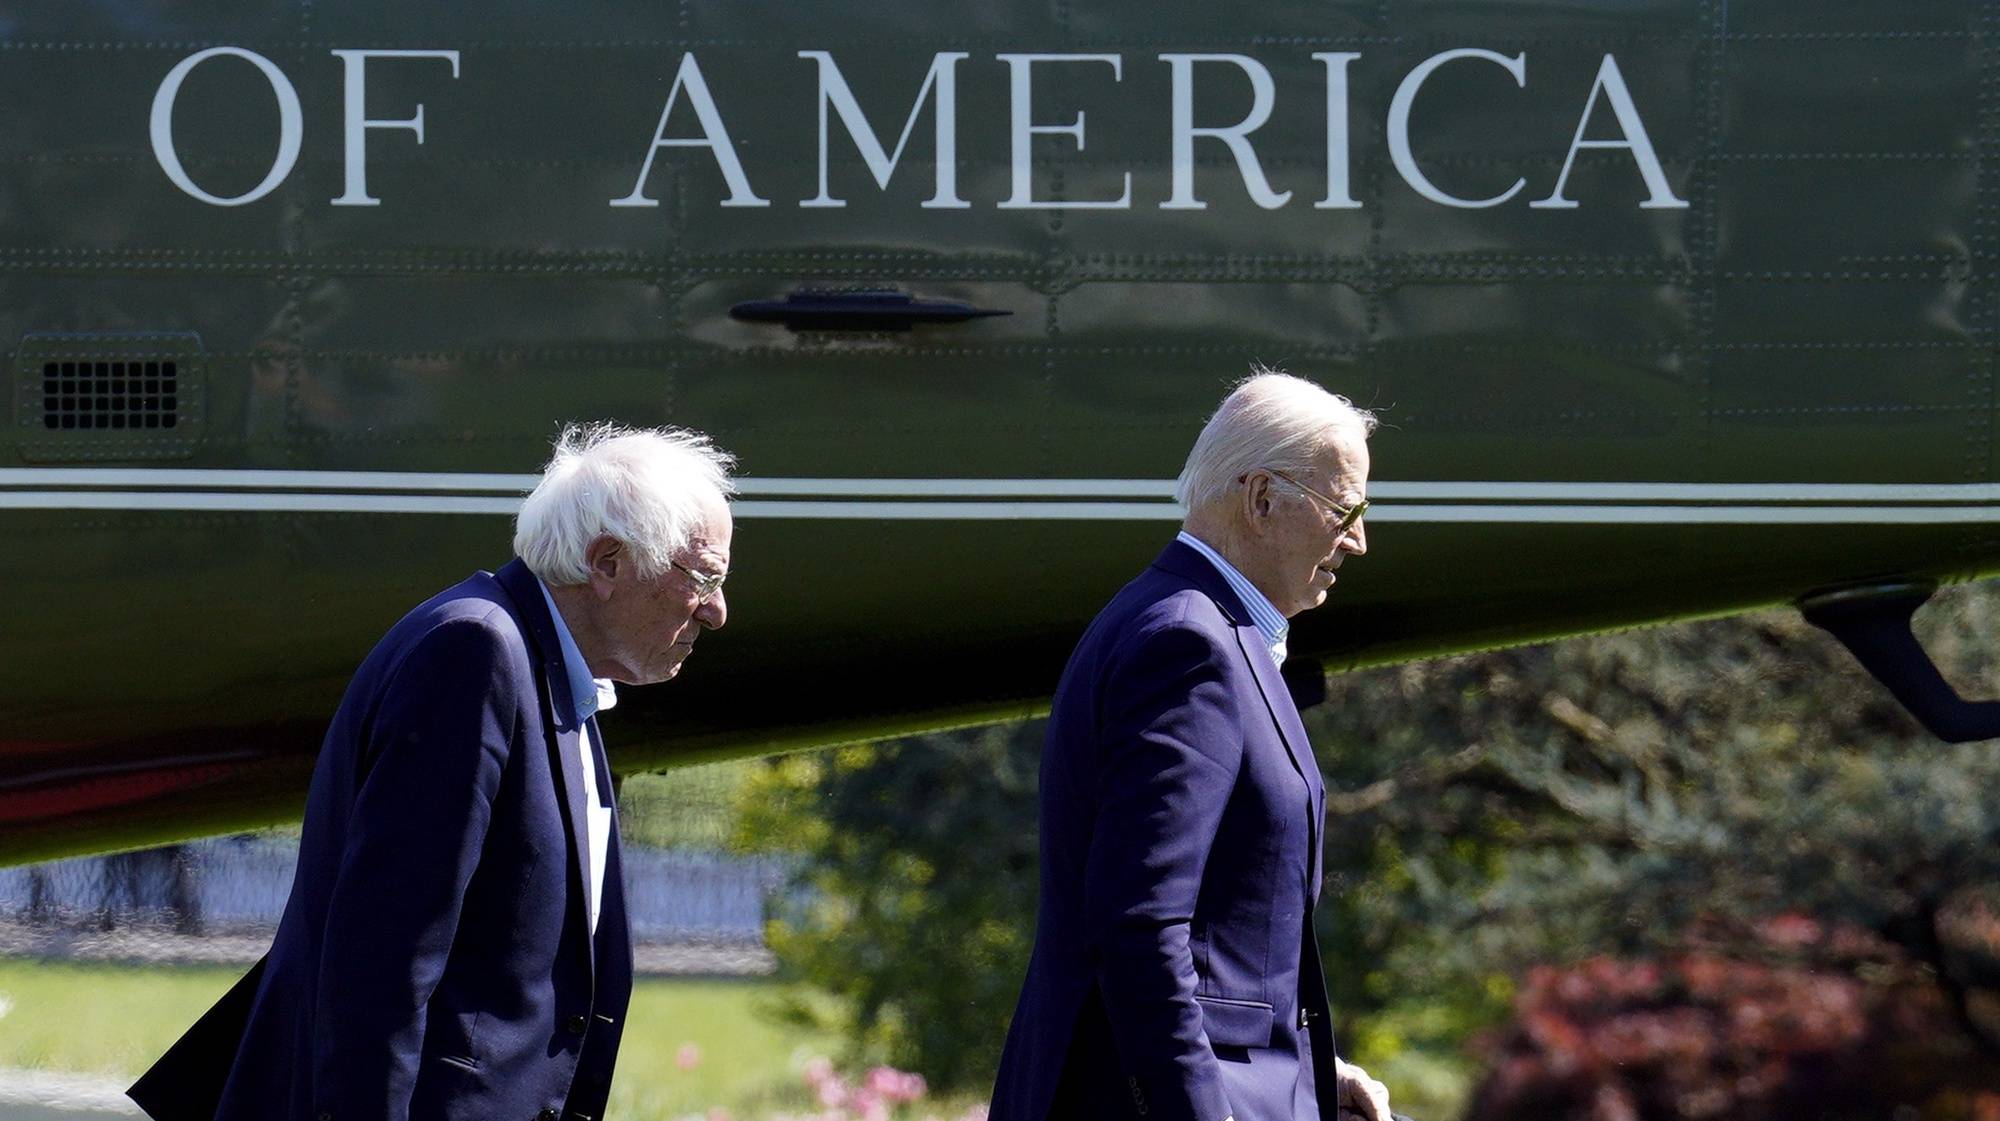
x: 1347, y: 515
x: 706, y: 584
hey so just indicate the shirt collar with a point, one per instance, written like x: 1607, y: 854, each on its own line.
x: 589, y: 695
x: 1270, y: 623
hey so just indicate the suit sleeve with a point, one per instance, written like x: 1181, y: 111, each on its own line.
x: 439, y: 742
x: 1171, y: 748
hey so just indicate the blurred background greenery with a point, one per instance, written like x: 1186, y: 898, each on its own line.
x: 1706, y: 870
x: 1699, y: 871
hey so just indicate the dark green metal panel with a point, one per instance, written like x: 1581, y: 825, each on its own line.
x: 1814, y: 316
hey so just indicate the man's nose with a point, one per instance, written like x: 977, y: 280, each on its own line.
x: 714, y: 613
x: 1355, y: 541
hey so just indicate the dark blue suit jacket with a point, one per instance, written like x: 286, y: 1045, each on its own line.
x: 1174, y: 958
x: 434, y: 960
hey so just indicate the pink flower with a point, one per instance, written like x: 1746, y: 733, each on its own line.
x: 689, y: 1057
x: 896, y: 1085
x: 870, y: 1106
x: 718, y: 1113
x: 832, y: 1092
x: 818, y: 1069
x: 884, y: 1081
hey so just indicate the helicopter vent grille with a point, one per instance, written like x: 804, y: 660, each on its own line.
x: 105, y: 396
x: 110, y: 395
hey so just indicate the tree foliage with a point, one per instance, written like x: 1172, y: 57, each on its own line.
x: 1606, y: 796
x: 914, y: 903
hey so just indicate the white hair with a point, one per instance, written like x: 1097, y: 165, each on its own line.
x: 1270, y: 419
x: 647, y: 487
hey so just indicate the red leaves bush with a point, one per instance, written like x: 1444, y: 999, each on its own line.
x: 1822, y: 1025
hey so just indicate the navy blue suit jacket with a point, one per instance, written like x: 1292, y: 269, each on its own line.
x: 434, y: 960
x: 1174, y: 958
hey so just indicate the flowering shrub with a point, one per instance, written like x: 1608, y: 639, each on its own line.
x: 1829, y: 1024
x: 882, y: 1094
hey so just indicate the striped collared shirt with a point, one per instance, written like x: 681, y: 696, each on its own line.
x: 1273, y: 626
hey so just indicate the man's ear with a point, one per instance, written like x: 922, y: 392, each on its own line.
x: 1256, y: 498
x: 606, y: 559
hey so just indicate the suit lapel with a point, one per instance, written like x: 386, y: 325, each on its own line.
x: 558, y: 710
x: 612, y: 948
x: 569, y: 773
x: 1278, y: 701
x: 1285, y: 714
x: 1180, y: 560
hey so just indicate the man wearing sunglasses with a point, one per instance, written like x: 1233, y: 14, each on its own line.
x: 1175, y: 976
x: 456, y: 943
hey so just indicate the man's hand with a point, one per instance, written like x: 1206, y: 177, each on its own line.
x: 1360, y: 1096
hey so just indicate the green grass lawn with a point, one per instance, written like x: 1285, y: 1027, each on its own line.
x: 99, y: 1019
x: 748, y: 1063
x: 114, y: 1020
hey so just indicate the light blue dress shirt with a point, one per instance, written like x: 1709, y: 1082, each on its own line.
x: 589, y: 696
x: 1273, y: 626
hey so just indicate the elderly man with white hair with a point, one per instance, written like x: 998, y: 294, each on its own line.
x: 456, y: 943
x: 1175, y: 976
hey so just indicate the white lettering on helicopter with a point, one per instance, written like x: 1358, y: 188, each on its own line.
x: 714, y: 137
x: 358, y: 121
x: 291, y: 122
x: 834, y: 91
x: 1021, y: 89
x: 940, y: 91
x: 291, y: 125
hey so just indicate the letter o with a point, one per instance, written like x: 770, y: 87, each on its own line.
x: 291, y: 126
